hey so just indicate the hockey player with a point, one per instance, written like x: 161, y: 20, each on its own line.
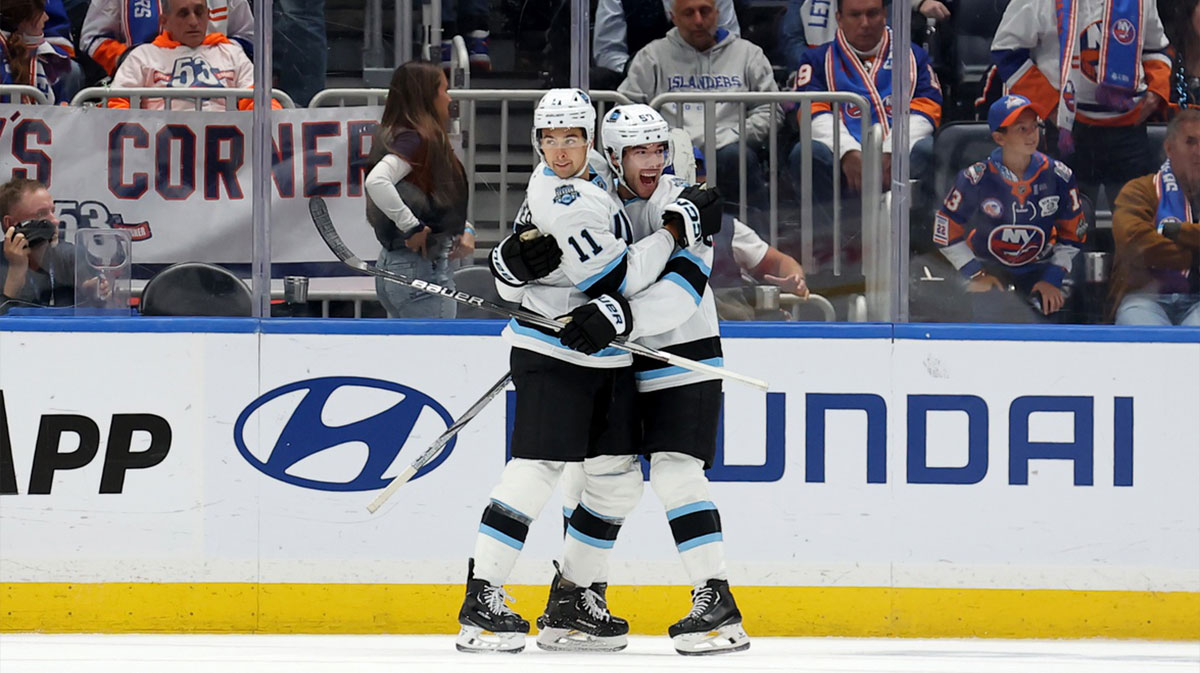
x: 636, y: 145
x: 1015, y: 218
x: 574, y: 393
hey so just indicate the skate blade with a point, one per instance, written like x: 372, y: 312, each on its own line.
x: 570, y: 640
x: 729, y: 638
x: 476, y: 640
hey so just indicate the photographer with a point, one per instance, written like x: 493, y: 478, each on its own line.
x: 37, y: 269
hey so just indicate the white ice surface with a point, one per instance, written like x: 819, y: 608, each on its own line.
x: 29, y: 653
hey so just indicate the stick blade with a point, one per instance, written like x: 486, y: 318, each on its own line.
x: 324, y: 224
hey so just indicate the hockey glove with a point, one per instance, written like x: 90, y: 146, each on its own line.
x: 593, y: 326
x: 524, y: 256
x: 697, y: 214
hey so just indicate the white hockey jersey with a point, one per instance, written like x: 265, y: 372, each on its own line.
x: 584, y: 220
x: 677, y: 314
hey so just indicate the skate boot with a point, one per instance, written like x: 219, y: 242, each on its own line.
x: 488, y: 625
x: 578, y: 620
x: 714, y: 625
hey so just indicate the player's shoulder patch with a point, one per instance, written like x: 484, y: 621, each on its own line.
x: 566, y: 194
x: 941, y: 229
x: 1063, y: 170
x: 975, y: 172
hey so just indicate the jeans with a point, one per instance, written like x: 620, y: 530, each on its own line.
x: 727, y: 175
x: 300, y: 48
x: 1109, y: 156
x: 402, y: 301
x: 1159, y: 309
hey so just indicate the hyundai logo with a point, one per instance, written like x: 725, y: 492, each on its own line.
x: 313, y: 428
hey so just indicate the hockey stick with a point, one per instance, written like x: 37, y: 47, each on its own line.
x: 324, y: 224
x: 439, y: 443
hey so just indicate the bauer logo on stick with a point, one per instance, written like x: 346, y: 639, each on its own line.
x: 335, y: 414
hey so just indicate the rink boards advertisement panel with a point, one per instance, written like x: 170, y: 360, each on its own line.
x: 214, y: 475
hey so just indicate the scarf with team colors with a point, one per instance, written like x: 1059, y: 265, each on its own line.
x: 1121, y: 46
x: 1173, y: 206
x: 141, y: 20
x: 845, y: 72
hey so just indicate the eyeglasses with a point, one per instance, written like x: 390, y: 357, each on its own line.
x: 568, y: 143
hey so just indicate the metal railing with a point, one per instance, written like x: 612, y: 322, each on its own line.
x: 17, y: 90
x: 100, y: 94
x: 876, y: 235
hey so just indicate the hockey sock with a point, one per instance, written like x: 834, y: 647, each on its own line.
x: 612, y: 489
x: 696, y: 528
x: 681, y: 486
x: 516, y: 501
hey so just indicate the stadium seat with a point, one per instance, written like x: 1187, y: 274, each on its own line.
x: 478, y: 281
x: 196, y: 289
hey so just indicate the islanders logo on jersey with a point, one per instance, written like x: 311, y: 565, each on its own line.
x: 566, y: 194
x: 1016, y: 244
x: 1124, y: 31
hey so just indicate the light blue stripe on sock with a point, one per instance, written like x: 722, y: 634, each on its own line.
x: 506, y: 539
x: 688, y: 509
x: 589, y: 540
x: 697, y: 541
x: 567, y: 513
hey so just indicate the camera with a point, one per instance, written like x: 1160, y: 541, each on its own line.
x: 36, y: 231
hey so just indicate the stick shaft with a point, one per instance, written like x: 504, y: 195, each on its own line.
x: 439, y: 443
x: 324, y: 224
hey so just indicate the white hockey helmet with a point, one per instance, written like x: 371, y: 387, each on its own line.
x: 629, y: 126
x: 563, y: 109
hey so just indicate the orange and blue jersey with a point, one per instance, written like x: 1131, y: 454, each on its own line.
x: 837, y: 67
x: 1029, y: 224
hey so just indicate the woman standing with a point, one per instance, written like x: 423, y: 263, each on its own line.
x: 417, y: 193
x: 25, y: 56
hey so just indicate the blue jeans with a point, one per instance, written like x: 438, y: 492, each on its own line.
x: 727, y: 175
x: 300, y: 47
x: 1159, y: 309
x: 920, y: 162
x: 402, y: 301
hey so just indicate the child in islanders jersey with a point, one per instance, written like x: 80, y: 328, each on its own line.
x: 1015, y: 219
x: 575, y: 393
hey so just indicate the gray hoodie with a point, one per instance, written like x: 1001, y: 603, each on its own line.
x: 670, y: 64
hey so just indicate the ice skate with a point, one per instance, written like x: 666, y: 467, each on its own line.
x: 578, y: 620
x: 487, y: 623
x: 714, y: 626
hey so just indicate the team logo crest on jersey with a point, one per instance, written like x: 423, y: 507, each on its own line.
x: 566, y: 194
x: 1049, y: 205
x: 1124, y: 31
x: 975, y: 172
x: 1016, y: 244
x: 1068, y: 96
x: 992, y: 208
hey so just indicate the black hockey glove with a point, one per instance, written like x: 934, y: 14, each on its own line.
x: 697, y: 212
x: 524, y: 256
x: 594, y: 325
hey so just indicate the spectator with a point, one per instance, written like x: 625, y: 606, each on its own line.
x: 38, y: 270
x: 812, y: 23
x: 300, y: 47
x: 112, y: 27
x: 417, y: 193
x: 1116, y: 72
x: 1155, y: 276
x: 859, y: 60
x: 697, y: 56
x: 1181, y: 20
x: 26, y: 55
x: 1015, y: 219
x: 185, y: 55
x: 623, y: 27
